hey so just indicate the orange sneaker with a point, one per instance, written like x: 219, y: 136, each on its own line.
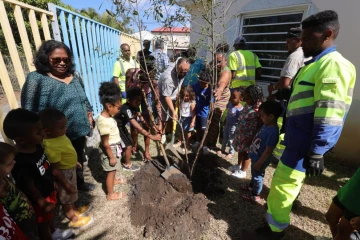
x: 82, y: 210
x: 81, y: 222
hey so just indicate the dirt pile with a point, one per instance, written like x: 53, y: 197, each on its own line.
x: 167, y: 211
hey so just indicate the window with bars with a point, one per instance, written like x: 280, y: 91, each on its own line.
x: 266, y: 37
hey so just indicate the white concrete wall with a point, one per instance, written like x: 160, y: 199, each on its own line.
x: 347, y: 149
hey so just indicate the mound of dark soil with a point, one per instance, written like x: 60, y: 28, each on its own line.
x: 168, y: 211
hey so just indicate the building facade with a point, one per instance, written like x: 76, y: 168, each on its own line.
x: 264, y: 24
x: 176, y: 39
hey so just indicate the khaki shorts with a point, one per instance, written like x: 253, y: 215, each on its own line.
x: 105, y: 160
x: 64, y: 197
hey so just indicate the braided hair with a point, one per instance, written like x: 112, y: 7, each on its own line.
x: 255, y: 93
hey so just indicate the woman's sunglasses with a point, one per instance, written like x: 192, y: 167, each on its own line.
x: 58, y: 60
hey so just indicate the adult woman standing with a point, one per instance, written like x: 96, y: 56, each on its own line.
x: 54, y: 85
x: 222, y: 96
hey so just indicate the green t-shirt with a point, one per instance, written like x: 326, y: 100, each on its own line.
x: 349, y: 194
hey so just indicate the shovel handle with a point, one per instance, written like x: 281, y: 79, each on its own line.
x: 152, y: 121
x: 176, y: 110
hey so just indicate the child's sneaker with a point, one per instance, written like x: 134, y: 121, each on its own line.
x: 245, y: 187
x: 234, y: 168
x: 239, y: 174
x: 250, y: 198
x: 81, y: 222
x: 62, y: 234
x: 82, y: 210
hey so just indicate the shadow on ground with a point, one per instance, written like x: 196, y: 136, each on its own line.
x: 212, y: 178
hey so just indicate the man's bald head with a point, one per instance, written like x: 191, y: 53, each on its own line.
x: 182, y: 67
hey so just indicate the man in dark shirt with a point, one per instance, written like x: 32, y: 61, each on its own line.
x: 144, y: 57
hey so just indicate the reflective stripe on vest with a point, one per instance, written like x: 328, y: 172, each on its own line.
x: 319, y: 89
x: 246, y: 77
x: 241, y: 66
x: 122, y: 82
x: 280, y: 148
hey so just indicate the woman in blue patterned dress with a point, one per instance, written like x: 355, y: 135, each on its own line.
x: 54, y: 85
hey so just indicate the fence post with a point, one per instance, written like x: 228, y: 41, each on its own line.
x: 10, y: 41
x: 54, y: 22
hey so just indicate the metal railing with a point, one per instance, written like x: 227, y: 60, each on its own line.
x: 95, y: 47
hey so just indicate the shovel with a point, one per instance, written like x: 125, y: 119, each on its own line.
x: 170, y: 146
x: 168, y: 170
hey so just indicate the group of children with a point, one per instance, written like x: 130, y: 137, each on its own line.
x: 251, y: 130
x: 43, y: 164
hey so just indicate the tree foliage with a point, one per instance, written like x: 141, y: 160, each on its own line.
x: 43, y: 4
x: 107, y: 18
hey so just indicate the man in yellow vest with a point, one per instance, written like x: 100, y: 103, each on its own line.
x: 321, y: 95
x: 244, y: 65
x: 122, y: 65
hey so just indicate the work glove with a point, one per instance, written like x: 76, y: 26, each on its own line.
x: 314, y: 164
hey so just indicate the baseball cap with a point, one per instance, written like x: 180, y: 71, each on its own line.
x: 238, y: 40
x: 294, y: 33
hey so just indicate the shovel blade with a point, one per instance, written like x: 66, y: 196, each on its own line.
x: 170, y: 171
x: 171, y: 147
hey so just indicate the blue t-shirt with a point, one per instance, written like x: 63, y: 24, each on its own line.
x: 203, y: 100
x: 267, y: 136
x: 233, y: 114
x: 194, y: 71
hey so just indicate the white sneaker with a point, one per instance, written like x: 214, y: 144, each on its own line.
x: 234, y: 168
x: 239, y: 174
x: 205, y: 150
x: 62, y: 234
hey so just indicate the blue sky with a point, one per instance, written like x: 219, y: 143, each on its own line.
x: 105, y: 4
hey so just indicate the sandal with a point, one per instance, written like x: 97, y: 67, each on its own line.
x: 116, y: 196
x: 119, y: 181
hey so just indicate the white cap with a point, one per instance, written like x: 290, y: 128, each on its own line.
x: 238, y: 40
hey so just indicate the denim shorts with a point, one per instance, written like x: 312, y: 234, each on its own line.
x: 185, y: 123
x: 201, y: 122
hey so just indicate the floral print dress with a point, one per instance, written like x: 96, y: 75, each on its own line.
x: 246, y: 129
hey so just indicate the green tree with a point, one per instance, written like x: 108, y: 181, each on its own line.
x: 43, y: 4
x: 107, y: 18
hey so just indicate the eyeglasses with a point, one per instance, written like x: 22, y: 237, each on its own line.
x: 58, y: 60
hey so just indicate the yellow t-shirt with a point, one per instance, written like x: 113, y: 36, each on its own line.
x: 108, y: 126
x: 60, y: 150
